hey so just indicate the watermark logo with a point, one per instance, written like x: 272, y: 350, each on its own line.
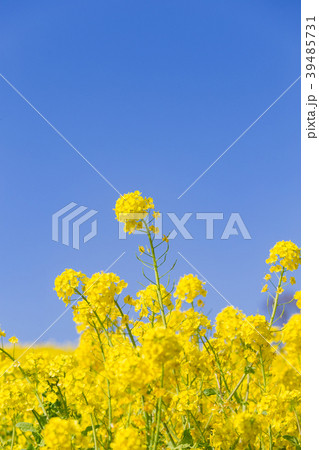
x: 68, y: 223
x: 233, y: 225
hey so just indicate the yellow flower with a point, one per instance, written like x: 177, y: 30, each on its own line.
x: 125, y: 320
x: 66, y: 283
x: 200, y: 303
x: 189, y: 287
x: 148, y: 300
x: 141, y: 249
x: 131, y: 209
x: 128, y: 438
x: 280, y: 290
x: 292, y: 281
x: 287, y: 254
x: 284, y: 279
x: 297, y: 297
x: 99, y: 294
x: 129, y: 300
x: 155, y: 230
x: 2, y: 333
x: 13, y: 340
x: 267, y: 277
x: 160, y: 346
x: 265, y: 288
x: 156, y: 214
x: 62, y: 434
x: 165, y: 238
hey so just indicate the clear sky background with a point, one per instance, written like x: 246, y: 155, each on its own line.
x: 151, y: 93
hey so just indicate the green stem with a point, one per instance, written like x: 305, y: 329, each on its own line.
x: 127, y: 327
x: 198, y: 427
x: 157, y: 278
x: 263, y: 369
x: 159, y: 410
x: 109, y: 410
x: 108, y: 394
x: 94, y: 432
x: 270, y: 438
x: 169, y: 434
x: 147, y: 423
x: 209, y: 420
x: 92, y: 424
x: 275, y: 305
x: 97, y: 316
x: 218, y: 364
x: 247, y: 393
x: 13, y: 436
x: 38, y: 418
x: 237, y: 386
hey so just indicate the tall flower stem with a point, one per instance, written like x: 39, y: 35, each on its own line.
x: 275, y: 305
x: 237, y: 387
x: 157, y: 278
x: 126, y: 326
x: 159, y: 410
x: 92, y: 424
x: 13, y: 437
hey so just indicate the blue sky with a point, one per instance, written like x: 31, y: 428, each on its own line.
x: 151, y: 93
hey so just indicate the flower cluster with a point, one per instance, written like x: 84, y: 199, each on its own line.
x: 151, y: 374
x: 131, y: 209
x: 147, y: 301
x: 285, y: 254
x: 283, y: 257
x: 67, y: 283
x: 189, y: 287
x: 97, y: 306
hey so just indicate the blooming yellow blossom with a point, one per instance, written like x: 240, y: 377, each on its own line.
x: 148, y: 300
x: 189, y: 287
x: 297, y: 297
x: 154, y: 229
x: 292, y: 280
x: 160, y: 345
x: 62, y: 434
x: 131, y: 209
x: 13, y: 340
x: 286, y: 254
x: 128, y: 438
x: 66, y: 283
x: 129, y: 300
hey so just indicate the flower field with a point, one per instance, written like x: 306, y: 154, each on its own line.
x: 153, y: 372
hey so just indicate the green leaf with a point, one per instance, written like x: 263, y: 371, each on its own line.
x: 209, y: 392
x: 89, y: 429
x: 293, y: 440
x: 186, y: 439
x: 249, y: 369
x: 25, y: 426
